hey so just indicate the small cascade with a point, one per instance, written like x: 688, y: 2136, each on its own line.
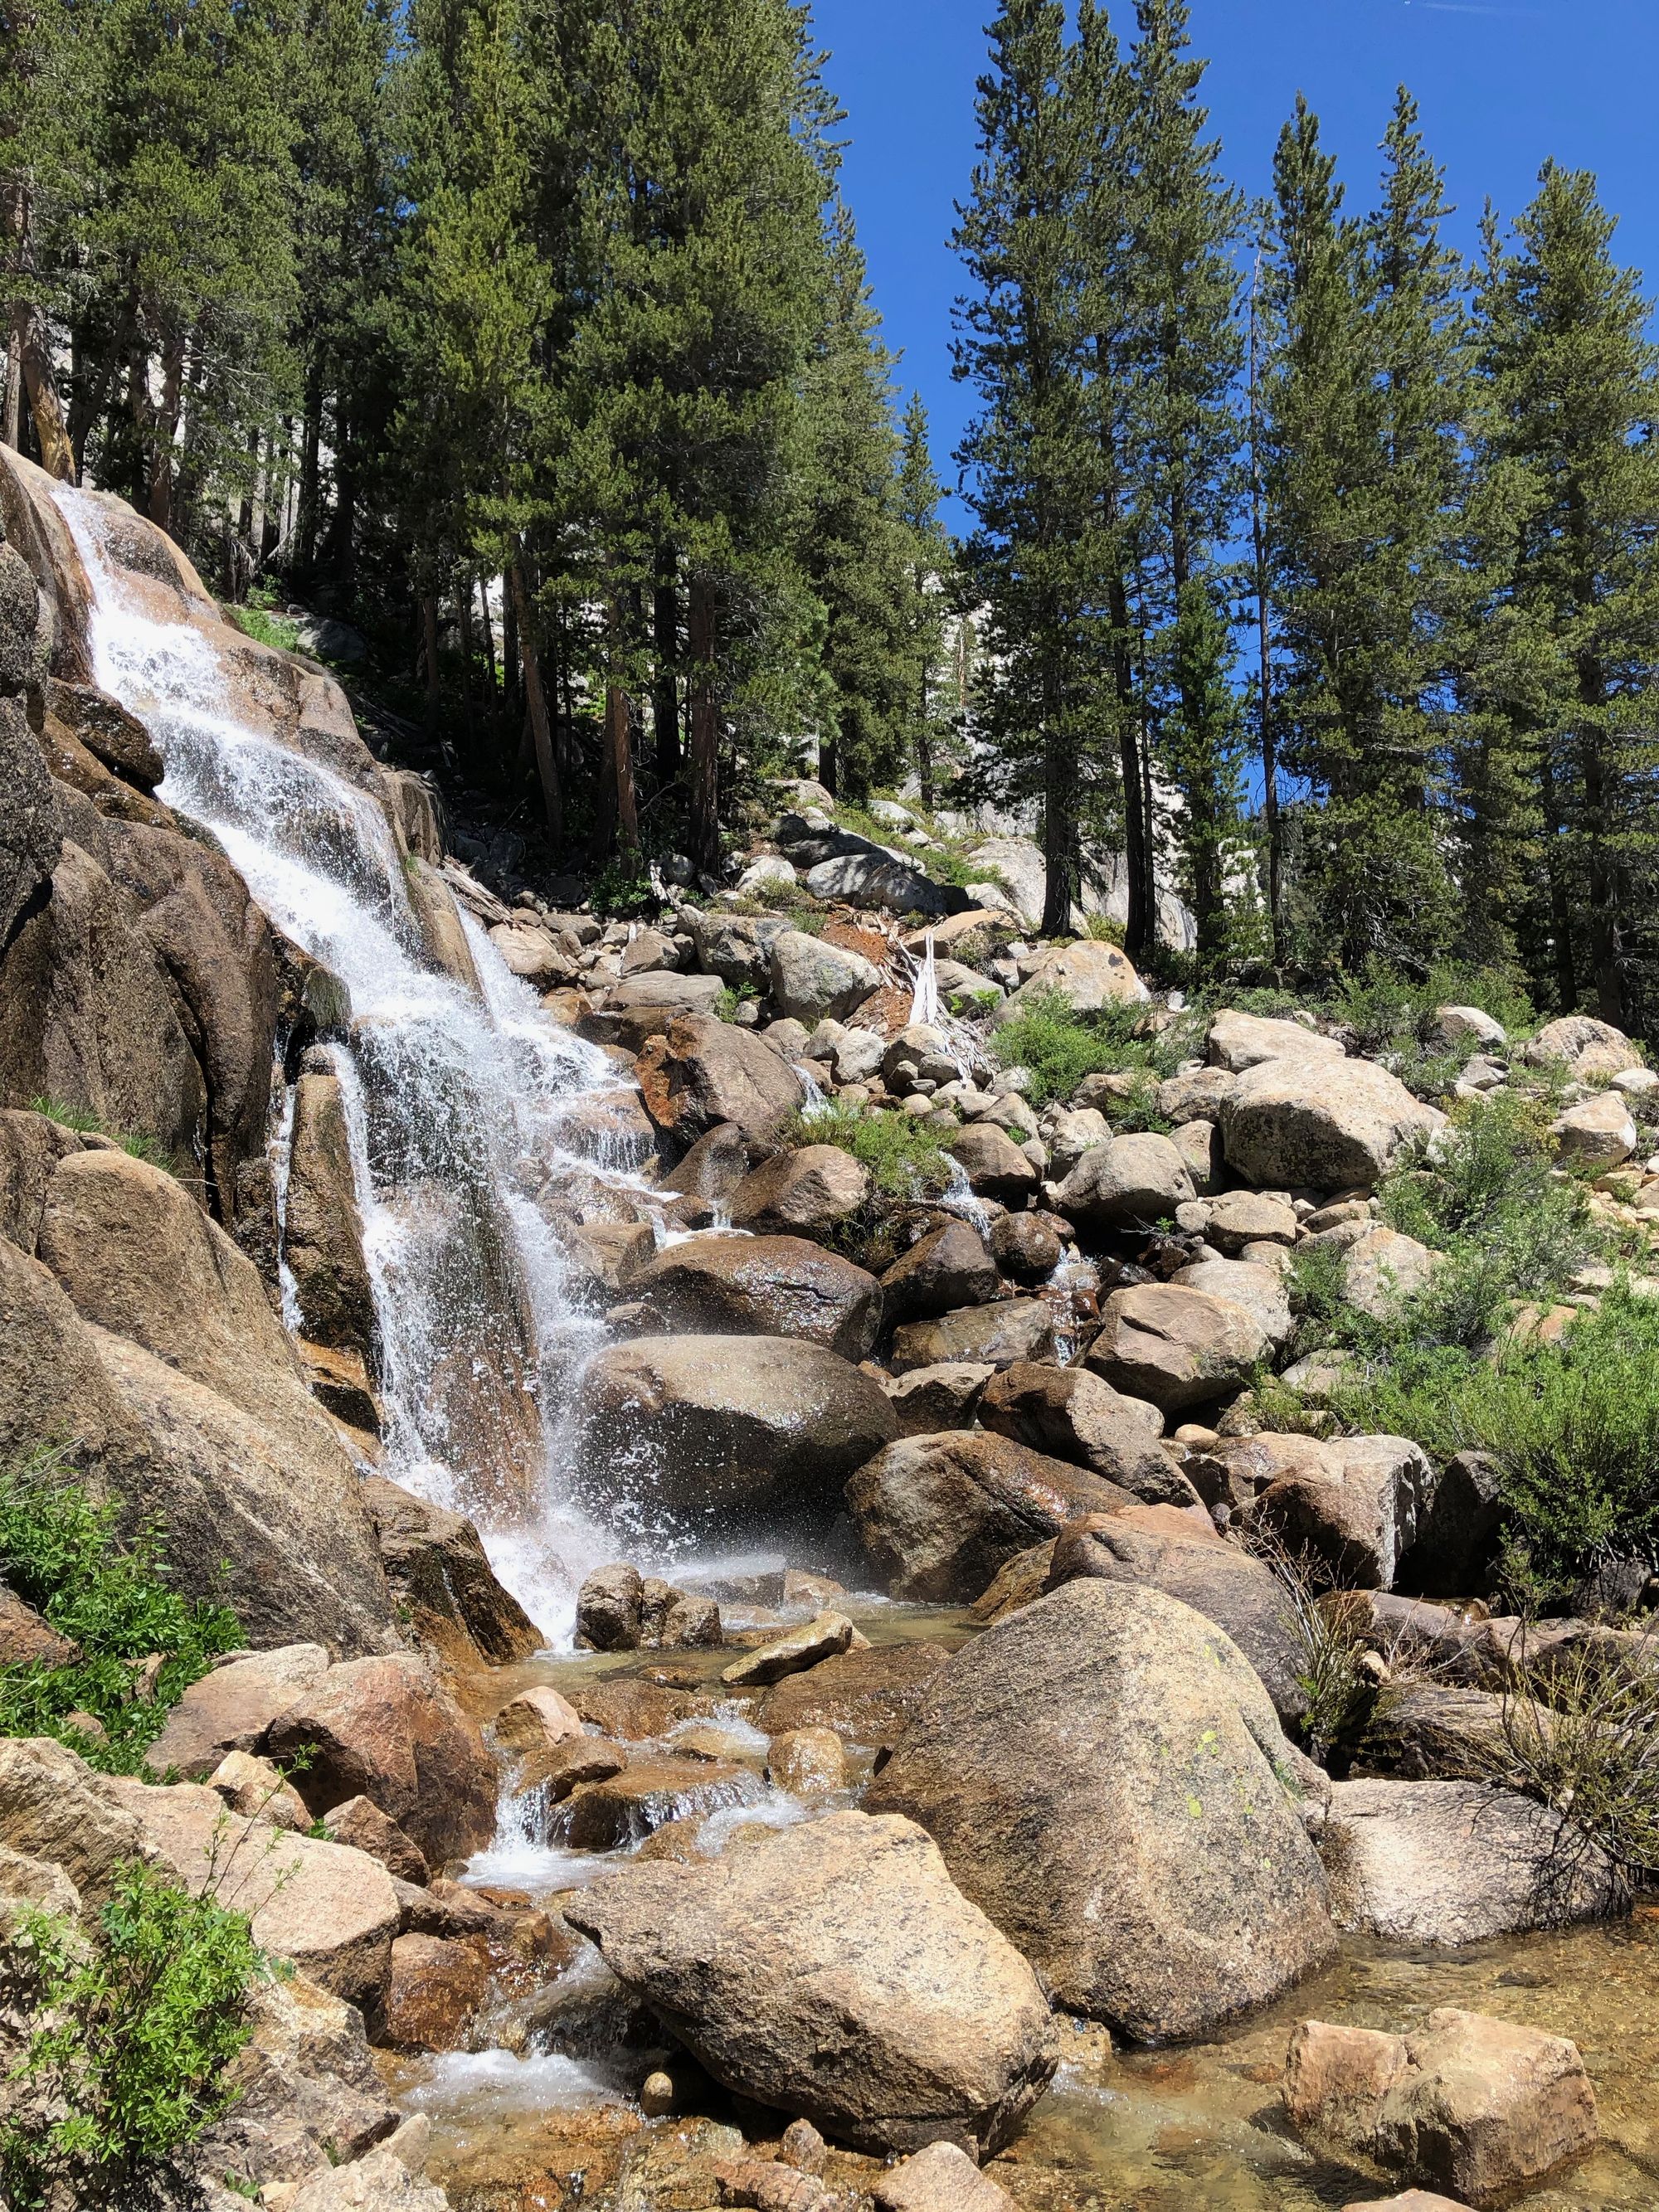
x: 924, y: 999
x: 462, y: 1105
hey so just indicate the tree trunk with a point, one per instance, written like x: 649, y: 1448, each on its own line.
x: 488, y: 637
x: 703, y: 828
x: 166, y: 429
x: 1137, y: 931
x: 34, y: 357
x: 541, y: 729
x: 1567, y: 965
x: 618, y: 723
x: 429, y: 654
x: 666, y: 690
x: 310, y: 459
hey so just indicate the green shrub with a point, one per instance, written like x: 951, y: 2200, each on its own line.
x: 731, y: 998
x: 1590, y: 1740
x: 1060, y: 1049
x: 59, y: 1551
x: 1575, y: 1431
x: 133, y: 2033
x: 903, y: 1160
x: 265, y: 628
x: 623, y: 888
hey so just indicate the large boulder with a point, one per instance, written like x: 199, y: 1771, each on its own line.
x: 1456, y: 1861
x: 1238, y: 1042
x: 873, y: 877
x: 832, y: 1971
x: 270, y: 1518
x: 1129, y: 1184
x: 867, y: 1698
x: 1175, y: 1552
x: 233, y: 1708
x: 1087, y: 975
x: 709, y: 1428
x: 1380, y: 1268
x: 1585, y: 1046
x: 216, y: 947
x: 384, y: 1729
x: 994, y: 1163
x: 322, y: 1229
x: 937, y: 1516
x: 1071, y: 1414
x: 702, y: 1072
x: 440, y: 1573
x: 1321, y: 1123
x: 139, y: 1258
x: 1106, y: 1777
x: 762, y: 1287
x: 1355, y: 1505
x: 1598, y: 1132
x: 90, y: 1017
x: 734, y: 946
x: 813, y: 980
x: 1260, y: 1290
x: 31, y: 828
x: 994, y: 1336
x: 1484, y: 2107
x: 947, y: 1268
x: 1176, y: 1346
x: 799, y: 1194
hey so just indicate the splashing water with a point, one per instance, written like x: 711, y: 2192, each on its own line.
x: 462, y: 1107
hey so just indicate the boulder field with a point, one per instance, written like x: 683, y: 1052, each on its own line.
x: 843, y: 1281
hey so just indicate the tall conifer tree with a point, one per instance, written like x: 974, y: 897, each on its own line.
x: 1572, y: 409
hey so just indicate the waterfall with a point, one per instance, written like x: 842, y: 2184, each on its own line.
x: 462, y: 1107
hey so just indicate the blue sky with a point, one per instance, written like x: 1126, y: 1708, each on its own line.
x: 1501, y: 86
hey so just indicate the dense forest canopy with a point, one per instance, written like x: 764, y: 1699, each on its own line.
x: 1312, y: 569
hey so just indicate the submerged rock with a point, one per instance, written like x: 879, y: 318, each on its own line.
x: 833, y: 1971
x: 1486, y: 2107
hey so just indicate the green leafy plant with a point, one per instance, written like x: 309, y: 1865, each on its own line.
x: 1060, y: 1047
x: 903, y: 1159
x: 134, y: 2030
x: 622, y: 888
x: 265, y: 628
x: 730, y: 997
x: 60, y: 1552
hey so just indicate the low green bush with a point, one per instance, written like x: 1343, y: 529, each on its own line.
x: 132, y: 2032
x: 265, y: 629
x: 1060, y: 1047
x: 903, y: 1160
x: 60, y: 1552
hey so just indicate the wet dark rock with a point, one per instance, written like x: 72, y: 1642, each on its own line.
x: 948, y: 1267
x: 991, y: 1335
x: 737, y: 1286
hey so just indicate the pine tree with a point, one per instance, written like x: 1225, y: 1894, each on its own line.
x: 925, y: 597
x: 852, y: 547
x: 1186, y: 353
x: 688, y: 362
x: 1570, y: 410
x: 1361, y: 465
x: 1036, y: 561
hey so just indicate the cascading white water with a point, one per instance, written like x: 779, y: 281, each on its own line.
x: 460, y: 1108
